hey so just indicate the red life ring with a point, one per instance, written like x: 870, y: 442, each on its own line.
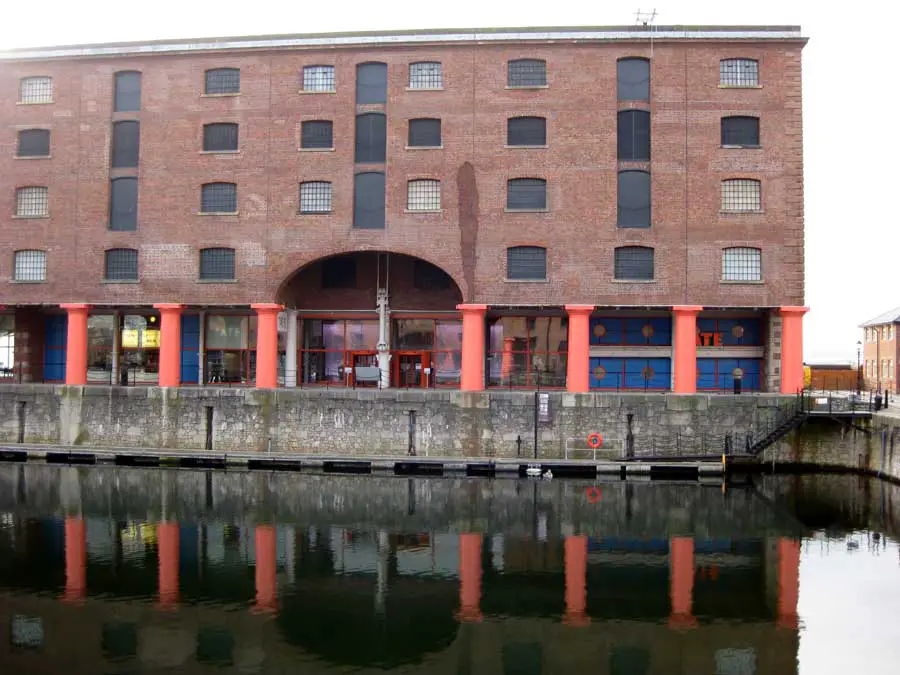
x: 592, y: 494
x: 595, y: 440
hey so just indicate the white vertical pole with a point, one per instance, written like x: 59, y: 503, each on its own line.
x: 290, y: 346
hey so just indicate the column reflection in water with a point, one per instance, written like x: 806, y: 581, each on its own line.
x: 576, y: 581
x: 681, y: 575
x: 788, y: 582
x: 470, y: 577
x: 76, y: 559
x: 167, y: 541
x: 266, y: 583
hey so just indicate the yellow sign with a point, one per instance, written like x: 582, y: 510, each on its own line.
x: 150, y: 339
x: 129, y: 339
x: 133, y: 338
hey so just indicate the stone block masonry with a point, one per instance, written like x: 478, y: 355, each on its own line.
x: 356, y: 422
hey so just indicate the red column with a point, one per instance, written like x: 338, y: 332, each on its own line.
x: 469, y: 577
x: 579, y: 354
x: 167, y: 541
x: 170, y: 345
x: 788, y: 582
x: 792, y: 349
x: 267, y: 345
x: 576, y: 581
x: 685, y: 343
x: 76, y: 560
x: 76, y: 343
x: 681, y: 582
x: 266, y: 585
x: 507, y: 361
x: 472, y: 376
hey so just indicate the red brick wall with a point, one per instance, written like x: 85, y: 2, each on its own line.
x: 272, y: 241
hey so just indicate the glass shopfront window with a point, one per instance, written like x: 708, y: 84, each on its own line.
x: 439, y: 346
x: 230, y: 349
x: 101, y: 331
x: 527, y: 351
x: 139, y: 345
x: 7, y: 346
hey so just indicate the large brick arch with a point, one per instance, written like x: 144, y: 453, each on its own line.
x: 286, y: 269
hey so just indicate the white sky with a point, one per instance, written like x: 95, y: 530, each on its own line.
x: 848, y: 72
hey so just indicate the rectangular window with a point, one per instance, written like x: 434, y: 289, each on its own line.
x: 633, y: 199
x: 128, y: 92
x: 526, y: 131
x: 371, y: 138
x: 316, y: 135
x: 425, y: 133
x: 121, y: 264
x: 315, y: 197
x: 371, y: 83
x: 527, y: 73
x: 426, y: 75
x: 526, y: 263
x: 223, y: 81
x: 633, y: 79
x: 740, y: 132
x: 368, y: 201
x: 220, y: 137
x: 123, y: 198
x: 634, y: 136
x: 30, y: 266
x: 34, y: 143
x: 634, y: 263
x: 741, y: 195
x: 741, y: 264
x: 218, y: 198
x: 739, y: 73
x: 526, y: 194
x: 36, y: 90
x: 32, y: 202
x: 126, y: 144
x: 217, y: 264
x: 318, y: 78
x: 423, y: 195
x: 526, y: 351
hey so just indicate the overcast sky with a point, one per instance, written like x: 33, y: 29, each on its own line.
x: 849, y: 75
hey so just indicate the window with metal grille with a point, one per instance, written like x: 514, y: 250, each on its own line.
x: 315, y: 197
x: 36, y: 90
x: 30, y: 266
x: 634, y: 263
x: 526, y: 263
x: 218, y: 198
x: 526, y: 73
x: 223, y: 81
x: 739, y: 73
x: 339, y: 272
x: 34, y: 143
x: 526, y: 194
x: 634, y: 199
x: 32, y: 202
x: 425, y: 133
x: 220, y: 137
x: 371, y: 83
x: 121, y: 264
x: 634, y: 136
x: 123, y: 197
x: 128, y: 91
x: 126, y: 144
x: 526, y: 131
x: 318, y: 78
x: 428, y: 277
x: 368, y: 201
x: 316, y: 134
x: 740, y: 132
x: 633, y: 79
x: 741, y: 264
x: 741, y: 194
x: 371, y: 138
x: 217, y: 264
x: 426, y: 75
x: 423, y: 195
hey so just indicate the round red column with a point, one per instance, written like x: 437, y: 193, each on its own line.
x: 681, y: 582
x: 267, y: 345
x: 579, y: 349
x: 576, y: 581
x: 685, y: 344
x: 469, y: 577
x: 76, y: 560
x: 169, y: 344
x: 266, y: 583
x: 167, y: 542
x: 792, y: 348
x: 76, y: 343
x: 472, y: 375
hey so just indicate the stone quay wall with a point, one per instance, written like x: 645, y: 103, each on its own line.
x: 371, y: 422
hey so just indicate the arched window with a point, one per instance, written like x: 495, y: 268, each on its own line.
x: 121, y: 264
x: 218, y: 198
x: 32, y: 202
x: 634, y: 136
x: 739, y: 73
x: 315, y: 197
x: 423, y: 195
x: 424, y: 133
x: 741, y: 264
x: 220, y: 137
x: 127, y: 91
x: 526, y: 194
x: 34, y: 143
x: 223, y: 81
x: 217, y: 264
x: 36, y: 90
x: 740, y: 132
x: 633, y: 79
x: 634, y: 263
x: 318, y: 78
x: 526, y: 131
x: 526, y: 263
x: 426, y: 75
x: 30, y: 266
x: 741, y: 194
x: 317, y: 135
x: 526, y: 73
x: 634, y: 199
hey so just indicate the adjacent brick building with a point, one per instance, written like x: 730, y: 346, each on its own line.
x: 585, y: 208
x: 879, y: 358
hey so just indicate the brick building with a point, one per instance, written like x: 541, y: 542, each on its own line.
x: 879, y: 358
x: 588, y: 208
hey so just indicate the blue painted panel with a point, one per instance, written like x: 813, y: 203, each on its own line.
x: 658, y: 328
x: 653, y: 545
x: 706, y: 373
x: 634, y: 377
x: 706, y: 325
x: 662, y: 373
x: 612, y: 379
x: 190, y: 348
x: 610, y: 328
x: 719, y: 373
x: 751, y: 334
x: 55, y: 328
x: 638, y: 370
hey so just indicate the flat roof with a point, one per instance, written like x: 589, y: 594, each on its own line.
x: 412, y: 37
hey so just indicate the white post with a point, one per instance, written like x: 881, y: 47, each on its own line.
x: 116, y: 348
x: 383, y: 347
x: 290, y: 349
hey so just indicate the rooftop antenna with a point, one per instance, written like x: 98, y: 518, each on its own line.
x: 647, y: 19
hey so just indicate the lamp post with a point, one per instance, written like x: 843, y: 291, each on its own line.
x: 858, y: 370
